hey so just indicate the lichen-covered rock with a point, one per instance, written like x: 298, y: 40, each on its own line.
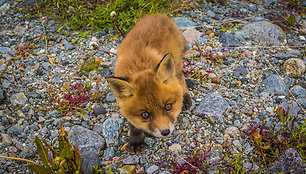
x: 212, y: 105
x: 265, y: 33
x: 86, y: 140
x: 294, y: 67
x: 289, y: 160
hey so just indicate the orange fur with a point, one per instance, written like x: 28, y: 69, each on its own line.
x: 148, y: 82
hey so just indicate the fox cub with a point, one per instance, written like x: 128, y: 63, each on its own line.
x: 149, y: 84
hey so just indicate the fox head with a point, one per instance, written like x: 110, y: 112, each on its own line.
x: 152, y: 99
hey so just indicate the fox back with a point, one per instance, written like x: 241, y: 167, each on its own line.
x: 148, y: 82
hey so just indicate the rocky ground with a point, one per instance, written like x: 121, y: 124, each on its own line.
x: 244, y: 87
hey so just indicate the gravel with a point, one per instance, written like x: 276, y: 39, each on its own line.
x: 249, y: 89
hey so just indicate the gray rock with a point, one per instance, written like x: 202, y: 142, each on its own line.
x: 294, y: 108
x: 86, y: 140
x: 152, y: 169
x: 271, y: 2
x: 99, y: 110
x: 5, y: 7
x: 111, y: 131
x: 46, y: 65
x: 98, y: 127
x: 2, y: 96
x: 289, y: 160
x: 275, y: 85
x: 132, y: 159
x: 184, y: 22
x: 2, y: 2
x: 229, y: 40
x: 69, y: 46
x: 298, y: 91
x: 52, y: 113
x: 288, y: 81
x: 253, y: 7
x: 164, y: 172
x: 212, y: 105
x: 4, y: 50
x: 19, y: 99
x: 265, y: 33
x: 15, y: 130
x: 6, y: 139
x: 219, y: 140
x: 302, y: 101
x: 285, y: 56
x: 89, y: 159
x: 211, y: 14
x: 110, y: 97
x: 109, y: 153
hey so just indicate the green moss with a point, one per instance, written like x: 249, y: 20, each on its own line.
x: 96, y: 15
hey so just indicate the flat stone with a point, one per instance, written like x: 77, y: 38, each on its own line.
x: 46, y: 65
x: 232, y: 131
x: 191, y: 35
x: 111, y: 131
x: 99, y: 110
x: 6, y: 139
x: 89, y: 160
x: 275, y: 85
x: 294, y: 108
x: 229, y: 40
x: 15, y: 130
x: 175, y: 147
x: 132, y: 159
x: 265, y: 33
x: 2, y: 96
x: 212, y: 105
x: 98, y: 127
x: 110, y: 97
x: 294, y: 67
x: 289, y: 160
x: 19, y: 30
x: 298, y: 91
x: 184, y: 22
x: 4, y: 50
x: 152, y: 169
x: 109, y: 153
x: 86, y: 140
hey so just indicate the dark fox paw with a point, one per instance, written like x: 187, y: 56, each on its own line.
x: 186, y: 102
x: 136, y: 147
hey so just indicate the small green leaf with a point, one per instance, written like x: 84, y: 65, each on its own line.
x: 109, y: 169
x: 291, y: 19
x: 39, y: 169
x: 42, y: 152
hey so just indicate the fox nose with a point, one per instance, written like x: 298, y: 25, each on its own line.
x: 165, y: 132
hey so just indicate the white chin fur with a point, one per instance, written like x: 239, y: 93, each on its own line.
x: 157, y: 133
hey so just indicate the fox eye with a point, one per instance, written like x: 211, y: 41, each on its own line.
x: 145, y: 115
x: 168, y: 107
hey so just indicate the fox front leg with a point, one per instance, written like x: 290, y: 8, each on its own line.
x: 136, y: 142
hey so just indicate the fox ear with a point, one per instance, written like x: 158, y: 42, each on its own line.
x: 166, y: 68
x: 121, y: 87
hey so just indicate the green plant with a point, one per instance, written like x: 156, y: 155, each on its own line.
x: 235, y: 164
x: 226, y: 27
x: 96, y: 15
x: 270, y: 143
x: 66, y: 160
x: 72, y: 98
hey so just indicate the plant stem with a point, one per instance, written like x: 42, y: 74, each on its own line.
x: 19, y: 159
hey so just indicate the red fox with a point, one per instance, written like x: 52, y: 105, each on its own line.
x: 148, y: 82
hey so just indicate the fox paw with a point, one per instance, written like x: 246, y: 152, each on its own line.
x: 186, y: 102
x: 136, y: 147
